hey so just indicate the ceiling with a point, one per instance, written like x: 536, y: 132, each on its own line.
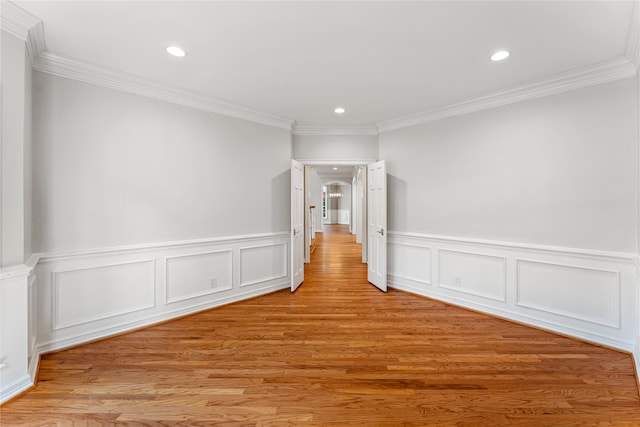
x: 335, y: 173
x: 298, y: 60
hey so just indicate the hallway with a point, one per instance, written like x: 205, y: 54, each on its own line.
x: 336, y: 352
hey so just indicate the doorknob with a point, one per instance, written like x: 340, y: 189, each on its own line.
x: 381, y: 231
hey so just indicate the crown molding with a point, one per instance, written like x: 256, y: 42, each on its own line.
x: 58, y: 65
x: 329, y: 162
x: 593, y: 75
x: 632, y: 52
x: 23, y: 25
x: 30, y: 29
x: 335, y: 130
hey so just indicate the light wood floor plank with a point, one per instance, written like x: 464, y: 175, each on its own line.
x: 337, y: 352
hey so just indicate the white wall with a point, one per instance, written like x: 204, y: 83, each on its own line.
x: 335, y: 147
x: 113, y: 168
x: 339, y: 208
x: 528, y: 211
x: 560, y: 170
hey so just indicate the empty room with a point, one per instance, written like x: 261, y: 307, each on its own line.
x: 320, y: 213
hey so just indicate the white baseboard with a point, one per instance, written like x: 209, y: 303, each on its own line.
x: 636, y: 359
x: 590, y: 295
x: 12, y: 390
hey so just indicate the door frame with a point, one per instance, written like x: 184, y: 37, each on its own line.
x: 341, y: 162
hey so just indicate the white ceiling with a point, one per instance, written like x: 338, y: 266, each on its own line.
x: 298, y: 60
x: 342, y: 172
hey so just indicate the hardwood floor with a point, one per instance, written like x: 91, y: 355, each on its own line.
x: 337, y: 352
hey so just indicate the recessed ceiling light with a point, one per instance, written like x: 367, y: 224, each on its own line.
x: 500, y: 55
x: 335, y: 169
x: 176, y: 51
x: 339, y: 110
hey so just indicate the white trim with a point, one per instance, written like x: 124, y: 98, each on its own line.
x: 636, y: 359
x: 56, y: 256
x: 22, y: 384
x: 323, y: 162
x: 15, y: 271
x: 266, y: 278
x: 55, y: 300
x: 455, y: 288
x: 588, y: 253
x: 632, y: 52
x: 592, y: 75
x: 324, y: 130
x: 20, y: 23
x: 618, y: 283
x: 58, y: 65
x: 167, y: 261
x: 15, y: 20
x: 34, y: 365
x: 413, y: 279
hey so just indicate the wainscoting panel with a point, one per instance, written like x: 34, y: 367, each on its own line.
x: 259, y: 264
x: 411, y: 263
x: 14, y: 317
x: 83, y: 296
x: 473, y: 273
x: 88, y: 294
x: 586, y: 294
x: 338, y: 216
x: 561, y: 290
x: 195, y: 275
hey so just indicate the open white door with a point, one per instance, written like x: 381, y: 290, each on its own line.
x: 377, y: 224
x: 297, y: 224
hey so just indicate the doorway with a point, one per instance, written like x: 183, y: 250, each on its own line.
x: 339, y: 194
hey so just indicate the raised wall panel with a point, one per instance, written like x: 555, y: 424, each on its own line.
x: 195, y: 275
x: 473, y: 273
x: 262, y: 263
x: 410, y: 262
x: 93, y: 293
x: 587, y: 294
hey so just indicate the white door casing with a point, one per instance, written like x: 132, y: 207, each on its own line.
x: 297, y: 224
x: 377, y: 224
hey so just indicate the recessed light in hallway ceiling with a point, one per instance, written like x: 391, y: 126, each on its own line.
x: 339, y: 110
x: 500, y: 55
x: 176, y: 51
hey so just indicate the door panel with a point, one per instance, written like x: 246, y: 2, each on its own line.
x: 297, y: 224
x: 377, y: 224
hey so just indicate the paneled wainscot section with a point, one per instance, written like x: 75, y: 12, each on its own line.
x: 84, y: 296
x: 586, y: 294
